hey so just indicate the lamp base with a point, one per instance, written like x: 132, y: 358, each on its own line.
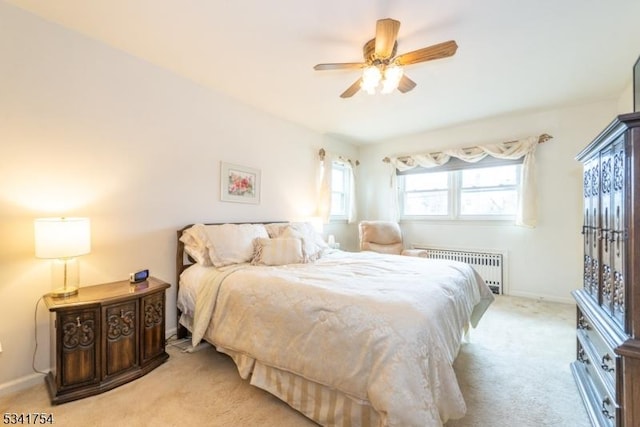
x: 65, y: 292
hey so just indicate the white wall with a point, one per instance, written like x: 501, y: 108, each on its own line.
x: 86, y: 130
x: 625, y: 102
x: 543, y: 262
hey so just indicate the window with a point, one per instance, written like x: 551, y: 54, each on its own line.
x: 474, y: 193
x: 426, y: 194
x: 340, y: 190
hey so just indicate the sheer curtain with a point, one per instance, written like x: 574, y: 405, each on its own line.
x: 527, y: 203
x: 325, y: 165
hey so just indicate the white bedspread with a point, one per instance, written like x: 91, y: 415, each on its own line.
x: 380, y: 328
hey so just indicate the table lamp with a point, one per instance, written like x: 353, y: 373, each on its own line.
x: 63, y: 239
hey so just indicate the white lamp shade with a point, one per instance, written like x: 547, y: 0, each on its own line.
x: 62, y: 237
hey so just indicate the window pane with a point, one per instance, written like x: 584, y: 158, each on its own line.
x: 426, y: 203
x: 498, y: 202
x: 340, y: 185
x: 337, y: 179
x: 490, y: 177
x: 483, y: 192
x: 338, y: 204
x: 426, y: 181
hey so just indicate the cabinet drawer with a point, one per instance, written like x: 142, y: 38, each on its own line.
x: 603, y: 357
x: 601, y: 403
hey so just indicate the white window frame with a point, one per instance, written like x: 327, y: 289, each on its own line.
x: 345, y: 172
x: 454, y: 198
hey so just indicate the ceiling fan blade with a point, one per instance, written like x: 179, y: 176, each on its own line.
x: 406, y: 84
x: 437, y: 51
x: 386, y: 35
x: 339, y: 66
x: 352, y: 89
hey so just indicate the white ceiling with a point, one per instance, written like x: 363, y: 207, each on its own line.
x: 513, y: 56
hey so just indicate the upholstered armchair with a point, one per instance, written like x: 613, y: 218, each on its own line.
x: 384, y: 237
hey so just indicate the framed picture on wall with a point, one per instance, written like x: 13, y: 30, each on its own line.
x: 239, y: 183
x: 636, y: 86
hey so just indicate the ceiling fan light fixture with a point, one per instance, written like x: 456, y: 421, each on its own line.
x: 371, y: 77
x: 382, y: 70
x: 392, y: 75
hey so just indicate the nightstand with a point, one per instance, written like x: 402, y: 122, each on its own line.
x: 105, y: 336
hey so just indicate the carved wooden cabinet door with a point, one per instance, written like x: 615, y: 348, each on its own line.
x: 77, y: 337
x: 591, y: 221
x: 152, y: 326
x: 619, y: 235
x: 121, y: 337
x: 606, y: 231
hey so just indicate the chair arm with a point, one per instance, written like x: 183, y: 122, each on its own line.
x: 415, y: 252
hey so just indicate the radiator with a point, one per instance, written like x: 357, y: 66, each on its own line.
x: 489, y: 265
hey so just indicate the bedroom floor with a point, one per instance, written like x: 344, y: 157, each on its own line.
x: 514, y: 371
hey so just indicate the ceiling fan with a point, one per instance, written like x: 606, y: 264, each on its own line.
x: 381, y: 67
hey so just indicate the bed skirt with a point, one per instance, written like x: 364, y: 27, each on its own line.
x: 324, y: 405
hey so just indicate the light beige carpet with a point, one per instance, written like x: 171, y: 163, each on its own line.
x: 514, y: 372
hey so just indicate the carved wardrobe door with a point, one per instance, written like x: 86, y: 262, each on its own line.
x: 618, y: 236
x: 591, y: 223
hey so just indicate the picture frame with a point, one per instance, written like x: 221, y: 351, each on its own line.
x: 636, y: 86
x: 239, y: 184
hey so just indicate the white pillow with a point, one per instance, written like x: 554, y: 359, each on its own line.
x: 232, y: 243
x: 278, y: 251
x: 312, y: 243
x: 195, y: 244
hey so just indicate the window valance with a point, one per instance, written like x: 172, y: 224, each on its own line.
x: 511, y: 150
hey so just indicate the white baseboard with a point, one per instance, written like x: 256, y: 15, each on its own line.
x: 168, y: 333
x: 551, y: 298
x: 21, y: 383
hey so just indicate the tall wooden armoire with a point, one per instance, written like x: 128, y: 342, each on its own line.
x: 607, y: 365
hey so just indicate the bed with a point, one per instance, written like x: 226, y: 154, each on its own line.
x: 347, y: 339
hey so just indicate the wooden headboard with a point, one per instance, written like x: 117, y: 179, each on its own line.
x: 183, y: 261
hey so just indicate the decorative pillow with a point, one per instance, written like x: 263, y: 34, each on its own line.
x: 275, y: 229
x: 312, y: 244
x: 195, y: 244
x: 278, y: 251
x: 232, y: 243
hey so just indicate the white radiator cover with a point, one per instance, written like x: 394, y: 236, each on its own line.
x: 490, y: 263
